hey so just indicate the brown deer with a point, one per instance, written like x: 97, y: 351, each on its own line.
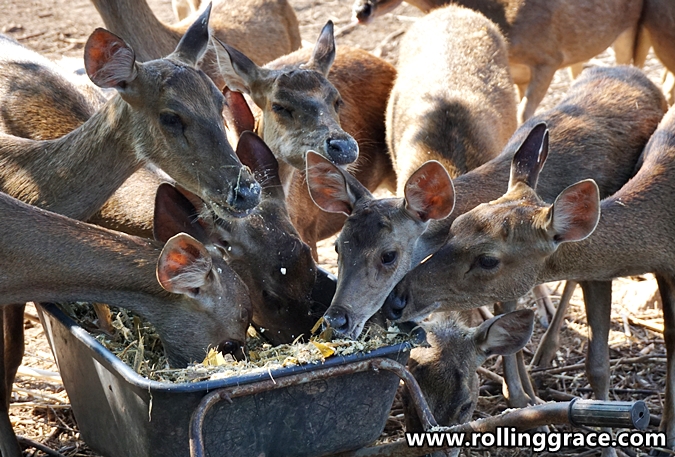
x: 179, y: 128
x: 310, y: 100
x: 260, y: 246
x: 264, y: 29
x: 542, y: 35
x: 564, y: 247
x: 194, y: 299
x: 446, y: 368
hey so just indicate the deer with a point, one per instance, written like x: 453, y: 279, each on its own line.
x: 309, y: 100
x: 578, y: 237
x: 542, y: 36
x: 180, y: 129
x: 184, y: 8
x: 446, y: 367
x: 264, y: 29
x: 182, y: 286
x: 589, y: 114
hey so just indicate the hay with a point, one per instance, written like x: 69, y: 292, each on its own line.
x: 137, y: 344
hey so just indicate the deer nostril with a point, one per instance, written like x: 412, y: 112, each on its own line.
x: 394, y: 306
x: 235, y: 348
x: 342, y: 151
x: 245, y: 196
x: 365, y: 12
x: 338, y: 321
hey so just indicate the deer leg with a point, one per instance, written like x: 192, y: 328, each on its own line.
x: 667, y: 290
x: 624, y: 46
x: 14, y: 343
x: 598, y: 301
x: 576, y: 69
x: 9, y: 446
x: 521, y: 77
x: 514, y: 390
x: 542, y: 75
x: 543, y: 301
x: 549, y: 344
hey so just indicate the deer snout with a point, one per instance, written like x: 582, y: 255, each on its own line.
x: 394, y: 306
x: 244, y: 196
x: 364, y: 12
x: 235, y: 348
x: 342, y: 151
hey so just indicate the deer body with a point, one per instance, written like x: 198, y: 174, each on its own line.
x: 542, y: 35
x: 453, y: 99
x: 264, y: 29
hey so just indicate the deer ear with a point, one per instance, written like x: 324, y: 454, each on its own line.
x: 255, y: 154
x: 530, y: 157
x: 429, y: 193
x: 192, y: 47
x: 238, y: 71
x: 330, y: 187
x: 175, y: 213
x: 110, y: 63
x: 576, y: 212
x: 505, y: 334
x: 237, y: 113
x: 323, y: 55
x: 183, y: 265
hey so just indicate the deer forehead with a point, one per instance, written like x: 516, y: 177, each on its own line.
x: 375, y: 221
x: 176, y: 80
x: 306, y: 84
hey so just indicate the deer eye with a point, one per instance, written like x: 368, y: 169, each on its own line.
x: 388, y: 257
x: 277, y: 108
x: 487, y: 262
x: 465, y: 409
x: 337, y: 105
x: 171, y: 121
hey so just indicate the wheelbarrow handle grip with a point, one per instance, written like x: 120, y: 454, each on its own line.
x: 599, y: 413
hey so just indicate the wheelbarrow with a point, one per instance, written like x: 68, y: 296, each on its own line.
x: 337, y: 407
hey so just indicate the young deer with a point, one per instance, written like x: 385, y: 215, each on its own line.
x: 165, y: 112
x: 265, y: 250
x: 528, y: 241
x: 543, y: 35
x: 264, y: 29
x: 309, y: 100
x: 199, y: 302
x: 446, y: 369
x: 451, y: 110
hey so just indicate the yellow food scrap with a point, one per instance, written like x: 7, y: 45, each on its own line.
x: 214, y: 359
x: 326, y: 350
x: 317, y: 326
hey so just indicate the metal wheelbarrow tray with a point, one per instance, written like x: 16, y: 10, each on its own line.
x: 336, y: 406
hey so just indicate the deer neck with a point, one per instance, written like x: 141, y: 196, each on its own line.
x: 73, y: 175
x: 134, y: 21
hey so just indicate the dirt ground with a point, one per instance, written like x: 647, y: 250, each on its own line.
x: 40, y: 408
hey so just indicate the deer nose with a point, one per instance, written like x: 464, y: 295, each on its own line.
x: 342, y: 151
x: 235, y: 348
x: 364, y: 13
x: 245, y: 196
x: 337, y: 320
x: 394, y: 306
